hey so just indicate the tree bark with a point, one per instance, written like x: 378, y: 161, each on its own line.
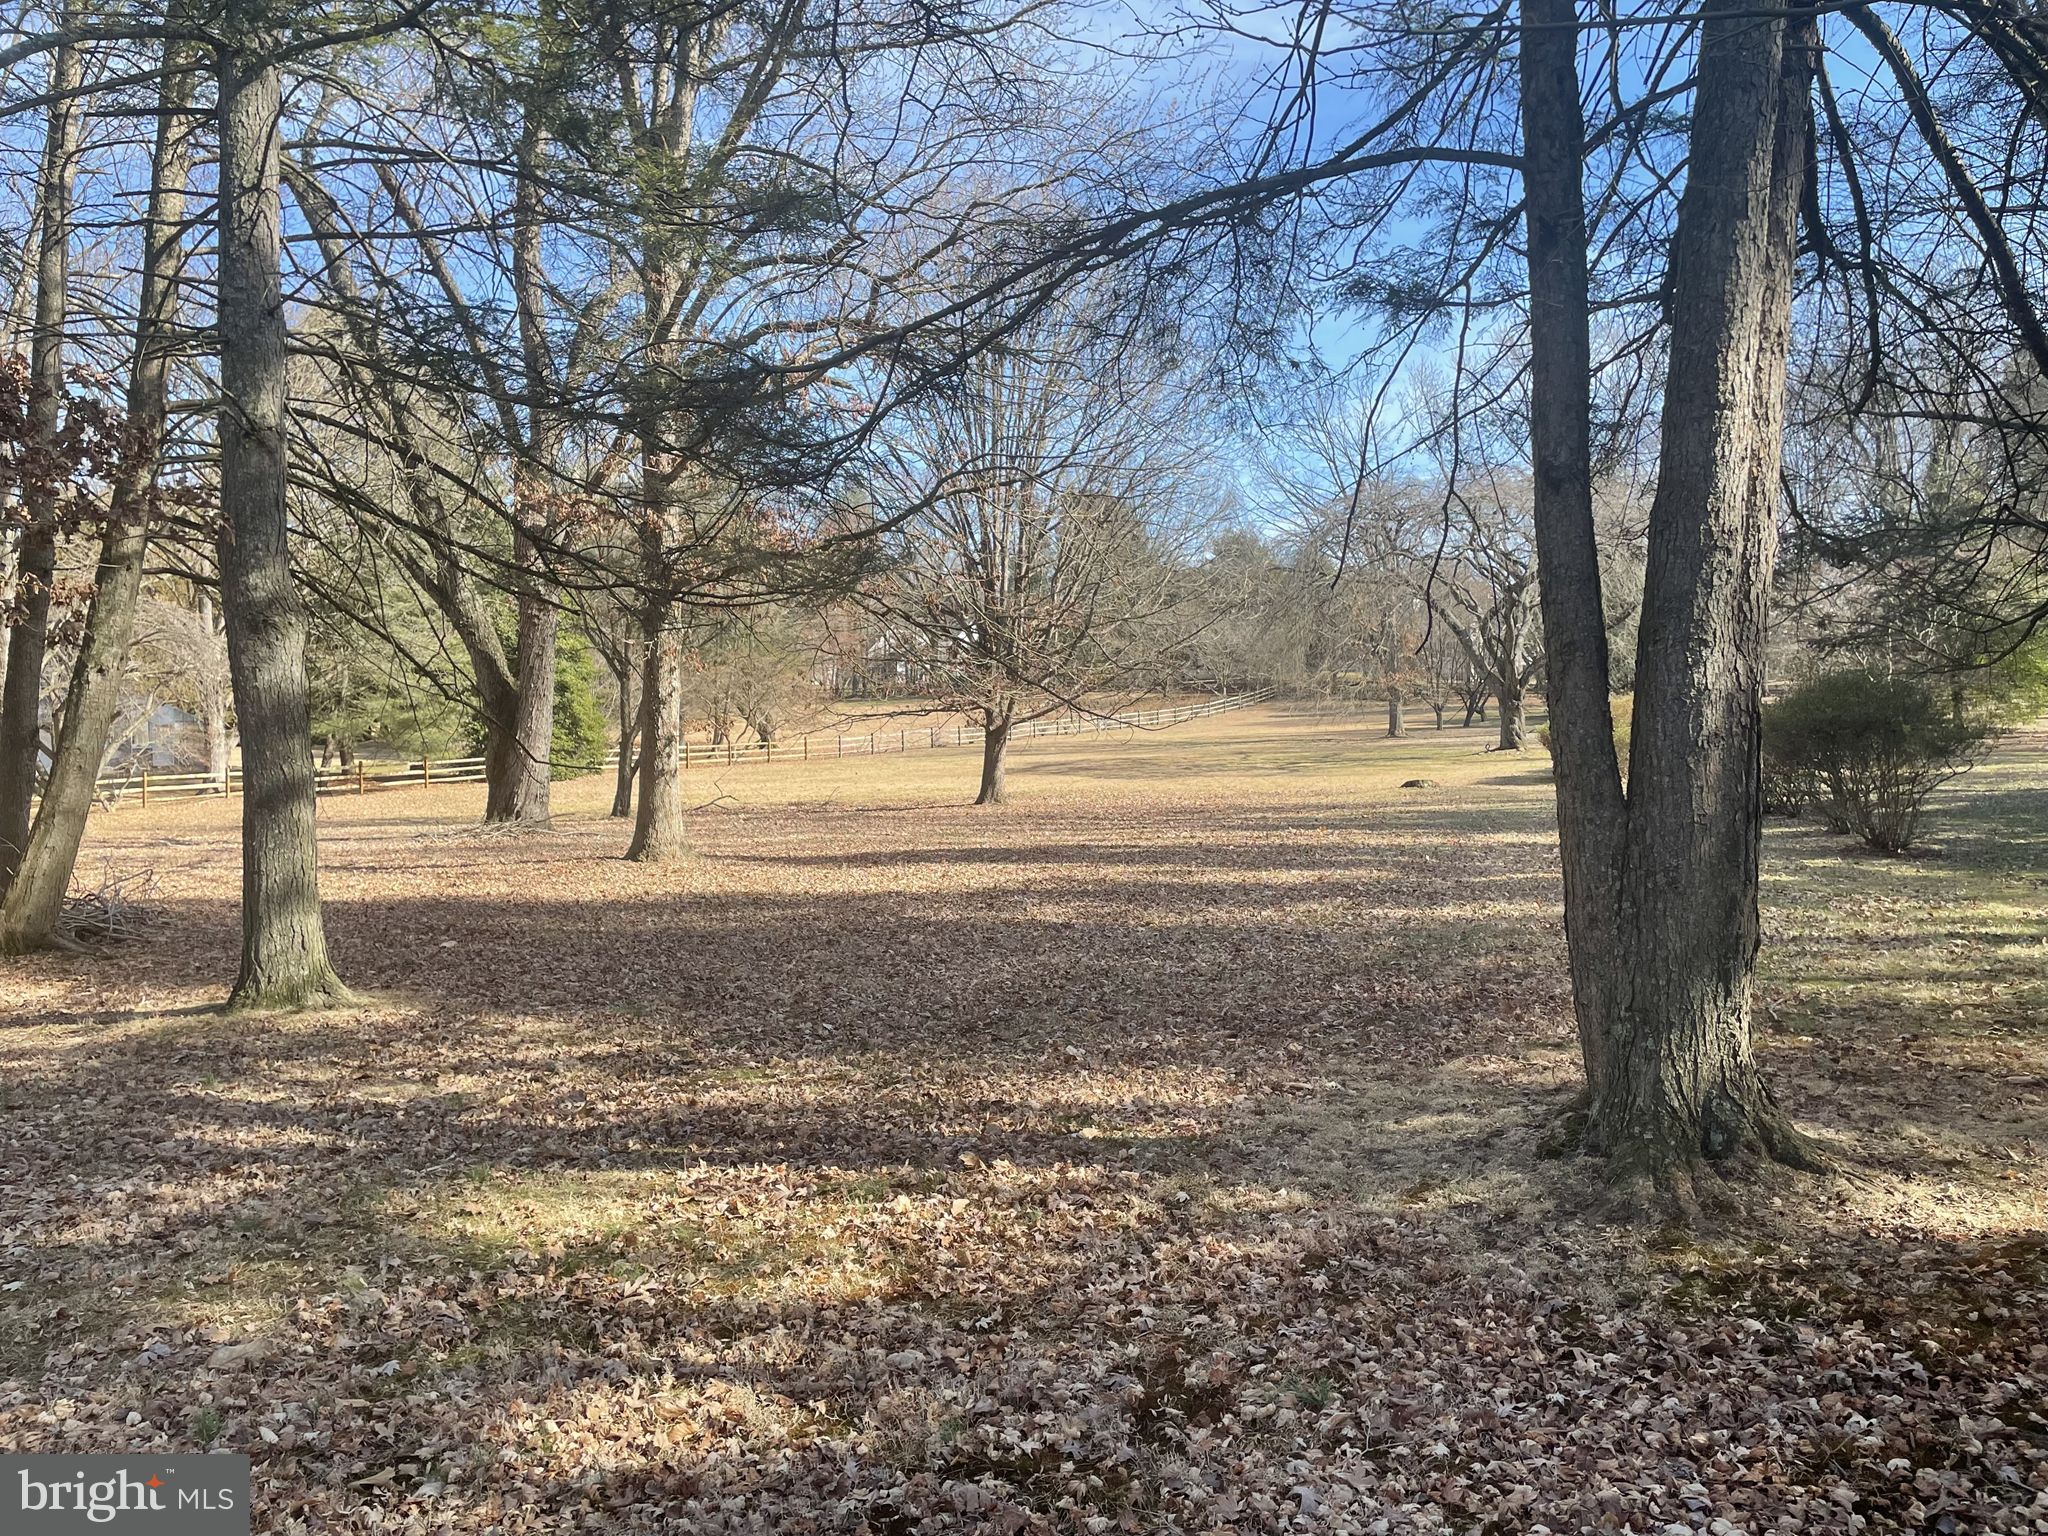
x: 21, y: 696
x: 658, y: 836
x: 1681, y: 1080
x: 995, y: 749
x: 629, y: 729
x: 28, y: 917
x: 1397, y: 716
x: 1514, y: 718
x: 524, y: 795
x: 521, y: 792
x: 284, y: 946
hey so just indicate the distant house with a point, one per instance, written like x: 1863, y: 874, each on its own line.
x: 164, y: 739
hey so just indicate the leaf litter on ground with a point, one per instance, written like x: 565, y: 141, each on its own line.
x: 1157, y: 1154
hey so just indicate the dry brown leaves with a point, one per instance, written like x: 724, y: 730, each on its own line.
x: 1155, y: 1155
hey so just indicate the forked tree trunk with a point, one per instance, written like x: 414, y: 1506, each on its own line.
x: 28, y: 918
x: 284, y: 947
x: 658, y: 836
x: 995, y: 750
x: 1397, y: 715
x: 1662, y: 918
x: 21, y: 696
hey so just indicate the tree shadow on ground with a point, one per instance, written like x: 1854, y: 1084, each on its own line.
x: 629, y: 1198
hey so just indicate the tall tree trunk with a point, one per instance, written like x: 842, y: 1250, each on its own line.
x: 1681, y: 1080
x: 995, y: 751
x: 629, y: 729
x: 525, y: 794
x: 525, y: 748
x: 28, y: 917
x: 284, y: 946
x: 21, y: 696
x: 1397, y: 715
x: 658, y: 836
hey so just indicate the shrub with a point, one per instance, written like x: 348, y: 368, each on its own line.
x: 1789, y: 787
x: 1878, y: 747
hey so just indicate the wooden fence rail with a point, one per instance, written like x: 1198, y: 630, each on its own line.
x: 359, y: 778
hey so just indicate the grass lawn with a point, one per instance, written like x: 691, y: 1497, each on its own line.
x: 1156, y: 1153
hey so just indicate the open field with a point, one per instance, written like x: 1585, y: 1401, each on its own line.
x: 1156, y: 1153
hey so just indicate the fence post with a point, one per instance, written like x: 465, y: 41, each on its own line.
x: 768, y: 750
x: 842, y: 745
x: 361, y: 777
x: 426, y: 773
x: 145, y: 789
x: 686, y: 751
x: 903, y: 741
x: 226, y: 775
x: 807, y: 748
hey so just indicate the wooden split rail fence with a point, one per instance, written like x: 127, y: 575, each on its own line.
x: 360, y: 778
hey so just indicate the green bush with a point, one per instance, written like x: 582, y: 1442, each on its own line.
x: 1876, y: 747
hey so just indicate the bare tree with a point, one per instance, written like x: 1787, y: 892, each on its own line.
x: 1044, y: 542
x: 1662, y: 880
x: 1480, y: 583
x: 284, y: 943
x: 180, y: 653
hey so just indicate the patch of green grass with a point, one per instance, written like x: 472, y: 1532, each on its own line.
x: 1314, y: 1392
